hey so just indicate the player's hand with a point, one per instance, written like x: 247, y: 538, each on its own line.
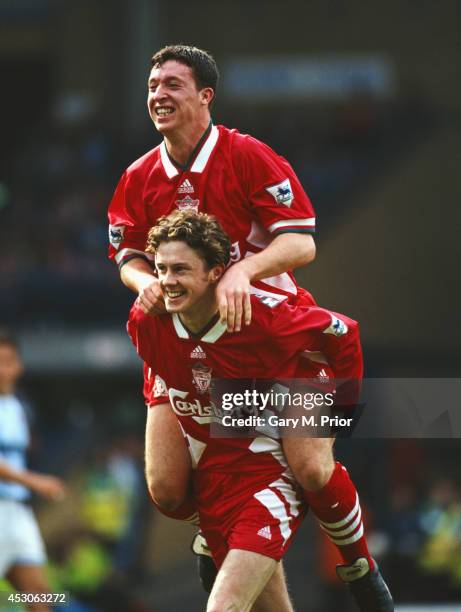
x: 151, y: 298
x: 233, y: 294
x: 49, y: 487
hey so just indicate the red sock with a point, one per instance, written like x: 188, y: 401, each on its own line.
x: 337, y: 508
x: 186, y: 512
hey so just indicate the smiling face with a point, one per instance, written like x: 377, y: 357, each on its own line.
x: 174, y: 101
x: 187, y: 283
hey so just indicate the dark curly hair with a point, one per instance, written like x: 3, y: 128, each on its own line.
x: 200, y: 231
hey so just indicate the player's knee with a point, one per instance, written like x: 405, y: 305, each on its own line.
x: 166, y: 502
x: 164, y: 496
x: 32, y: 581
x: 223, y: 602
x: 39, y: 585
x: 314, y: 475
x: 166, y: 492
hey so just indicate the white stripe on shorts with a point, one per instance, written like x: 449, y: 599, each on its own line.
x: 286, y: 491
x: 262, y: 444
x: 276, y: 507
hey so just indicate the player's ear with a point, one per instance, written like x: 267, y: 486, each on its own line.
x: 206, y: 95
x: 215, y: 273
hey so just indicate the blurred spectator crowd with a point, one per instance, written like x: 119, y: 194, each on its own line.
x: 424, y: 530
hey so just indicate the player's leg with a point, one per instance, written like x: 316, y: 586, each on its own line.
x: 334, y: 500
x: 240, y: 580
x: 275, y: 594
x: 330, y: 494
x: 249, y: 532
x: 168, y: 471
x: 30, y: 579
x: 167, y: 458
x: 27, y: 555
x: 311, y: 460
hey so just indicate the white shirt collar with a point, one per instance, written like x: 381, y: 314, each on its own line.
x: 201, y: 160
x: 211, y: 336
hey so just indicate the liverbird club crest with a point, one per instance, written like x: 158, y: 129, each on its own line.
x: 201, y: 377
x: 188, y: 202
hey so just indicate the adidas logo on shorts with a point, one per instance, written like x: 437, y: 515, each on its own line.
x: 186, y: 187
x: 323, y: 376
x: 198, y: 353
x: 265, y: 532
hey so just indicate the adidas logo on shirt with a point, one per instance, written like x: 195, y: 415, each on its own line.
x: 198, y: 353
x: 265, y: 532
x: 186, y: 187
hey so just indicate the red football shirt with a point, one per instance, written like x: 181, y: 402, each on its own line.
x: 270, y: 348
x: 253, y: 192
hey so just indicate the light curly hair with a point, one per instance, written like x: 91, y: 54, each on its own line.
x: 200, y: 231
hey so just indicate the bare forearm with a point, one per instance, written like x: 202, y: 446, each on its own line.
x: 10, y: 474
x: 285, y: 252
x: 137, y: 274
x: 45, y: 485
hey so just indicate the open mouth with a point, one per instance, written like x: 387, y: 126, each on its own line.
x: 174, y: 295
x: 164, y: 111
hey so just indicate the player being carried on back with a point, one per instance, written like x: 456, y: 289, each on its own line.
x: 249, y: 520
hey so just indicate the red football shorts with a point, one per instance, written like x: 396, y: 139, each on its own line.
x: 258, y: 511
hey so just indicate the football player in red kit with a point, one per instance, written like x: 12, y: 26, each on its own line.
x: 257, y: 513
x: 200, y: 166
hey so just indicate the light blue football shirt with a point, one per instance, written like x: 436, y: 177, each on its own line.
x: 14, y: 440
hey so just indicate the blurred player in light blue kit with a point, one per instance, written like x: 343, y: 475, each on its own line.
x: 22, y: 552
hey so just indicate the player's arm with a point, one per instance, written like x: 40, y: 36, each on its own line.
x: 344, y: 355
x: 280, y: 204
x: 137, y: 274
x: 285, y: 252
x: 47, y: 486
x: 128, y: 227
x: 334, y: 335
x: 337, y: 337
